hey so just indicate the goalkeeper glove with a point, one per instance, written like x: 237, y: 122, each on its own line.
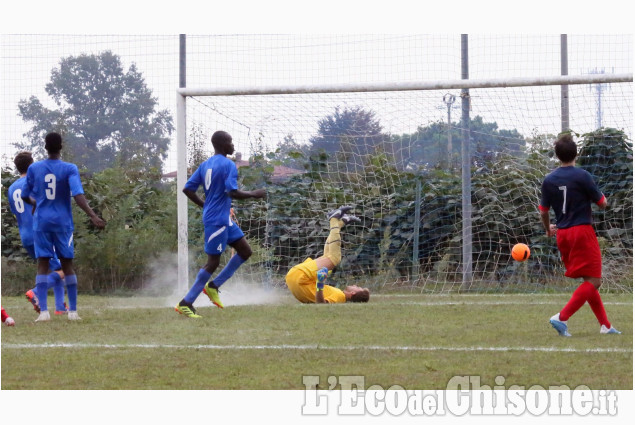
x: 321, y: 277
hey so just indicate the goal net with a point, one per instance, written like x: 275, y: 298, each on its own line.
x: 397, y: 156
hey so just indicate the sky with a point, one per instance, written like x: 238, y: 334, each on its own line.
x: 326, y: 59
x: 239, y: 17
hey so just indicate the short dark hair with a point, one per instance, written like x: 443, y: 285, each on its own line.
x: 219, y: 137
x: 53, y: 142
x: 22, y: 161
x: 565, y: 148
x: 360, y: 296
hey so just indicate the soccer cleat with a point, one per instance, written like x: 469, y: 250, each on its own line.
x: 187, y: 310
x: 350, y: 219
x: 43, y: 317
x: 559, y: 325
x: 61, y: 312
x: 338, y: 213
x: 9, y: 321
x: 72, y: 315
x: 212, y: 294
x: 32, y: 298
x: 612, y: 330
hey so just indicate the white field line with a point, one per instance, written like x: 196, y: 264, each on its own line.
x: 318, y: 347
x: 423, y: 303
x: 472, y: 295
x: 469, y: 303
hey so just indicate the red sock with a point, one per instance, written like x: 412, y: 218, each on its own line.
x: 579, y: 297
x: 596, y: 304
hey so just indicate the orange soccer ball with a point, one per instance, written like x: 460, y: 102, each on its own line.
x: 520, y: 252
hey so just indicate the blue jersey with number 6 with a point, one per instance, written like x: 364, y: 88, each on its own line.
x: 219, y: 176
x: 52, y: 183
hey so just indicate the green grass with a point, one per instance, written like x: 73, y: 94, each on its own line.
x: 416, y: 341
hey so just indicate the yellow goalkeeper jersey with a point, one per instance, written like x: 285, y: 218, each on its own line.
x: 301, y: 281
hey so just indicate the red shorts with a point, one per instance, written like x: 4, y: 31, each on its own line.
x: 580, y: 251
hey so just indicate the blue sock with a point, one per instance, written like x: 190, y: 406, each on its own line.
x: 71, y: 288
x: 41, y: 290
x: 229, y: 269
x: 201, y: 279
x: 55, y: 281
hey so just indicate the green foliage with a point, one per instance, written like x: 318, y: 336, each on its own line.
x: 607, y: 154
x: 141, y: 214
x: 107, y: 116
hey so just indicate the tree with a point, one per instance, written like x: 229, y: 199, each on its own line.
x: 347, y: 130
x: 290, y: 153
x: 107, y: 117
x: 428, y: 144
x: 196, y: 151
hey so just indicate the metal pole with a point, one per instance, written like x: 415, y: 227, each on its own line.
x: 418, y: 85
x: 466, y: 160
x: 449, y: 100
x: 564, y: 89
x: 449, y: 136
x: 415, y: 241
x: 181, y: 177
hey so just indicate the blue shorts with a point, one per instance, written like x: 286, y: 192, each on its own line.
x: 218, y: 237
x: 47, y: 244
x: 54, y: 262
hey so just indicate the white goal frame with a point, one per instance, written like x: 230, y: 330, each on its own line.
x: 181, y: 122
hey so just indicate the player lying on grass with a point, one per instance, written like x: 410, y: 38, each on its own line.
x: 306, y: 280
x: 6, y: 319
x: 219, y: 177
x: 24, y: 216
x: 570, y: 192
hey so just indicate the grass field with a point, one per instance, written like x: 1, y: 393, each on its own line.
x: 416, y: 341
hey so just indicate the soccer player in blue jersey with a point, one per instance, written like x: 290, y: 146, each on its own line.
x: 24, y: 216
x: 569, y: 191
x: 219, y: 178
x: 50, y: 185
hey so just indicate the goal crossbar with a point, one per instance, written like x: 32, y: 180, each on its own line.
x: 183, y: 93
x: 410, y: 86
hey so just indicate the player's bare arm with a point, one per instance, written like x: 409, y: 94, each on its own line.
x: 550, y: 229
x: 31, y: 201
x: 241, y: 194
x: 194, y: 197
x: 94, y: 218
x: 319, y: 297
x: 322, y: 274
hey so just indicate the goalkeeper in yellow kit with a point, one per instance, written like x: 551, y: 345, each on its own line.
x: 306, y: 280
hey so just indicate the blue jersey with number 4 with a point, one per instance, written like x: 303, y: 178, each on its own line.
x: 22, y: 211
x: 52, y: 183
x: 570, y: 191
x: 219, y: 176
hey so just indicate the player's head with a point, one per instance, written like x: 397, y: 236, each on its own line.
x: 356, y: 294
x: 565, y: 148
x: 53, y: 142
x: 22, y: 161
x: 222, y: 142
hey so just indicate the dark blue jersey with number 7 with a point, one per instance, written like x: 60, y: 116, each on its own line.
x: 570, y: 192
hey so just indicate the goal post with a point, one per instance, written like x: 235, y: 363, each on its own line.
x: 442, y: 260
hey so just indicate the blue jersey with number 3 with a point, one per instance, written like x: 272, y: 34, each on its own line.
x: 570, y: 191
x: 218, y: 176
x: 52, y: 183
